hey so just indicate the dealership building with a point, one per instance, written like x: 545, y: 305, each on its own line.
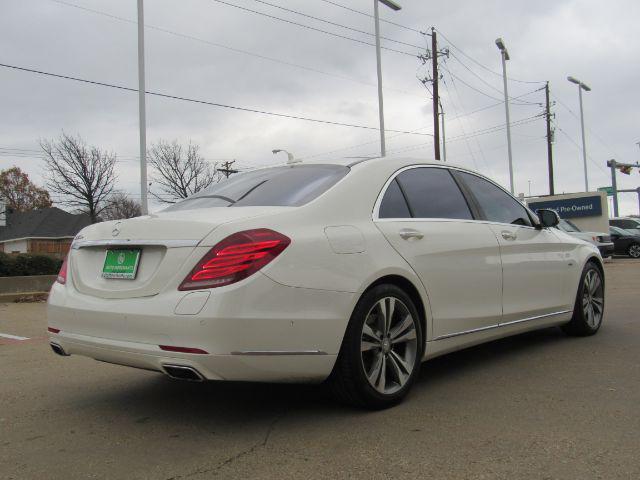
x: 589, y: 211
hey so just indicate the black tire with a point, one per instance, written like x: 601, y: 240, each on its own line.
x: 348, y: 381
x: 583, y: 324
x: 634, y: 250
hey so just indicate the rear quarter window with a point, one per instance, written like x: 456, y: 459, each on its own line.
x: 290, y: 186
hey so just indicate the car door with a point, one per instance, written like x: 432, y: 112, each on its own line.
x: 536, y: 263
x: 426, y: 218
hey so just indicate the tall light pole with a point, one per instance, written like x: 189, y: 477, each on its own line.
x: 586, y: 88
x: 142, y: 112
x: 393, y: 6
x: 505, y: 56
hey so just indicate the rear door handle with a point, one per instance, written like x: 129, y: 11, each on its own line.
x: 409, y: 233
x: 509, y: 235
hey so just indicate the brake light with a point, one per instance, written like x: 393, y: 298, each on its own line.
x: 53, y: 330
x: 62, y: 274
x: 235, y: 258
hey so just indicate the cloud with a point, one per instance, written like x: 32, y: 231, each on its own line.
x: 335, y: 79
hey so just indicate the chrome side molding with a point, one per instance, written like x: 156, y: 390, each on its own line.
x: 498, y: 325
x: 279, y: 352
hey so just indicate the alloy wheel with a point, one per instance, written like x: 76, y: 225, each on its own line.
x: 388, y: 345
x: 593, y: 298
x: 634, y: 251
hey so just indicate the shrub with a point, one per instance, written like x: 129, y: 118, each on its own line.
x: 27, y: 264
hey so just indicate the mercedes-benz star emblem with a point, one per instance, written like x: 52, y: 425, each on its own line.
x: 116, y: 229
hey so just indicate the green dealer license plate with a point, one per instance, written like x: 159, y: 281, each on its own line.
x: 121, y: 264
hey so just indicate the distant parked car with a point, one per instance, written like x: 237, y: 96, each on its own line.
x: 626, y: 223
x: 627, y: 242
x: 599, y: 239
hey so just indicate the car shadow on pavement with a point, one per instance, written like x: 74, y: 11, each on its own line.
x: 157, y: 396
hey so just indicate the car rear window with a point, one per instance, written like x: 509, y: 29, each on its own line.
x: 289, y: 186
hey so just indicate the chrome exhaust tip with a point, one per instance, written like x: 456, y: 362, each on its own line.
x: 183, y: 372
x: 58, y: 350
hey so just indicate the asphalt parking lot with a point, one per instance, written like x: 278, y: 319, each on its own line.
x: 538, y: 406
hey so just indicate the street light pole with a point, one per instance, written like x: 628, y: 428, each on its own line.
x: 394, y: 6
x: 586, y: 88
x: 505, y: 56
x: 144, y: 206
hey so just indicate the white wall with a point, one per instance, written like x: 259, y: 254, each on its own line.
x: 15, y: 246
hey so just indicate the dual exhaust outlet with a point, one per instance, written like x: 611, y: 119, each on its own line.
x: 177, y: 372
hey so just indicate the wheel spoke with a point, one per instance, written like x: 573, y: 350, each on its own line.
x: 367, y: 331
x: 390, y: 304
x: 374, y: 372
x: 382, y: 317
x: 598, y: 304
x: 402, y: 364
x: 398, y: 370
x: 401, y: 329
x: 595, y: 283
x: 382, y: 379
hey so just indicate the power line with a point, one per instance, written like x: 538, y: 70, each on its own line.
x: 203, y: 102
x: 580, y: 149
x: 370, y: 16
x: 309, y: 27
x: 484, y: 93
x: 335, y: 24
x: 229, y: 48
x: 480, y: 64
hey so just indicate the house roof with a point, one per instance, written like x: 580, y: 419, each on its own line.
x: 43, y: 223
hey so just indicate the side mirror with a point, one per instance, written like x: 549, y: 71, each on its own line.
x: 548, y: 218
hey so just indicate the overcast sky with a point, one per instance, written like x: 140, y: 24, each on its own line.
x: 293, y: 70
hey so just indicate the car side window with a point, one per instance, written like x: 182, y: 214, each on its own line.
x: 433, y: 193
x: 393, y: 203
x: 496, y: 204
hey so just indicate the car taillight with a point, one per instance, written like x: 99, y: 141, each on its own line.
x: 235, y: 258
x: 62, y: 275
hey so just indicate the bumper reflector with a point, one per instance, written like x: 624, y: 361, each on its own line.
x: 170, y: 348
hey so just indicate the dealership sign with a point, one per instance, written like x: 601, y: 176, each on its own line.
x: 572, y: 207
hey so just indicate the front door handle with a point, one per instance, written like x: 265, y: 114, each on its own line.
x: 509, y: 235
x: 410, y: 233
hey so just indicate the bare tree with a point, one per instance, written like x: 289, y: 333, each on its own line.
x: 179, y: 172
x: 120, y: 206
x: 84, y: 176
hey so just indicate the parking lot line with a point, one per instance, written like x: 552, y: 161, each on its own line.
x: 13, y: 337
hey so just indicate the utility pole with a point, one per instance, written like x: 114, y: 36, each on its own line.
x: 549, y: 141
x: 436, y: 98
x: 144, y: 205
x: 227, y: 170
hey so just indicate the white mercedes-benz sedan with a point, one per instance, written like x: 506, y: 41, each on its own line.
x: 349, y: 273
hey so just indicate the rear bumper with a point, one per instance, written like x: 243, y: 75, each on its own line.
x: 257, y: 330
x: 301, y: 367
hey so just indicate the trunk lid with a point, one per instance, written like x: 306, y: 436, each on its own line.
x: 165, y: 241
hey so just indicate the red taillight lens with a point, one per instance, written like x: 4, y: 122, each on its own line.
x: 62, y: 275
x: 53, y: 330
x: 235, y: 258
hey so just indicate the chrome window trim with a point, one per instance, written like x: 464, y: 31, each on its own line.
x: 123, y: 242
x: 375, y: 216
x: 498, y: 325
